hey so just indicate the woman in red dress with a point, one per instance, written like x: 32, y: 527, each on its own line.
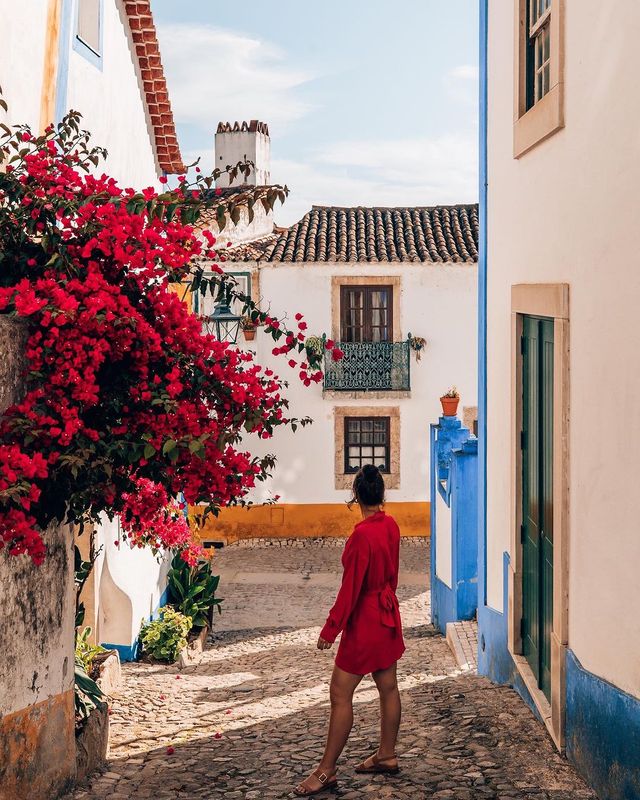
x: 366, y: 611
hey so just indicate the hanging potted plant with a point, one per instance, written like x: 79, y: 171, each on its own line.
x: 450, y: 400
x: 315, y: 347
x: 417, y: 344
x: 248, y: 328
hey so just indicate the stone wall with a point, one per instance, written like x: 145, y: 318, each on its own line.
x: 37, y: 609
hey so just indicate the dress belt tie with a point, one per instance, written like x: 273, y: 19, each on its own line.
x: 389, y: 607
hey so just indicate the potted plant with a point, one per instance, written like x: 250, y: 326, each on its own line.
x: 248, y: 328
x: 417, y: 344
x: 315, y: 346
x: 450, y: 400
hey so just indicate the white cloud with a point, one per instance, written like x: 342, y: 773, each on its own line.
x: 216, y: 74
x: 419, y: 171
x: 465, y: 72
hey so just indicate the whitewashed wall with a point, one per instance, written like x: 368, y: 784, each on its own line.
x: 437, y: 302
x: 109, y: 97
x: 128, y: 582
x: 112, y: 103
x: 22, y: 44
x: 568, y: 212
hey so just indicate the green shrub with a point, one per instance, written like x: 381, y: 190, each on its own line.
x: 164, y: 638
x: 192, y: 590
x: 85, y: 651
x: 88, y: 695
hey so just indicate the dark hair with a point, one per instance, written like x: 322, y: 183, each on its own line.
x: 368, y: 486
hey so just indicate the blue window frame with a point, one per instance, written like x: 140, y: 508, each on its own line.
x: 88, y: 37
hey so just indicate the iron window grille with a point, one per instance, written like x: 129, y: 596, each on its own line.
x: 369, y: 366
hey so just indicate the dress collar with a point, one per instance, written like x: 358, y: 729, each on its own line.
x: 374, y: 517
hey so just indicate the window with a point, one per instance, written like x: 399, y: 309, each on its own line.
x: 89, y: 24
x: 366, y: 314
x: 367, y: 441
x: 205, y: 304
x: 539, y: 79
x: 538, y: 50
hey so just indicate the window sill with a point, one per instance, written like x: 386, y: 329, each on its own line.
x: 344, y: 480
x: 87, y: 52
x: 348, y: 394
x: 540, y: 122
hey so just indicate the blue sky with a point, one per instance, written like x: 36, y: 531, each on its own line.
x: 369, y: 102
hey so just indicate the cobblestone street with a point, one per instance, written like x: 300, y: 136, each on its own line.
x: 249, y: 720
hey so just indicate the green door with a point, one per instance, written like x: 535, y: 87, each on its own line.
x: 537, y: 496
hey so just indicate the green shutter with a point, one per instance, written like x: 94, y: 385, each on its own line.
x: 537, y: 496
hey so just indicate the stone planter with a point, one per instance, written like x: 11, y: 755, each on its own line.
x: 92, y: 742
x: 192, y: 653
x: 109, y: 672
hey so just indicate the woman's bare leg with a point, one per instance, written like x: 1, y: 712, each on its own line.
x: 343, y: 685
x: 390, y: 711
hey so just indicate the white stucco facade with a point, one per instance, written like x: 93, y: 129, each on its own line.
x: 107, y: 91
x: 436, y: 302
x: 566, y: 213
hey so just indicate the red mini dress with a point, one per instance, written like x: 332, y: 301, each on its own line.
x: 366, y: 609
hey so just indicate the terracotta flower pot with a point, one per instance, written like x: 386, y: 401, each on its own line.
x: 249, y: 334
x: 450, y: 406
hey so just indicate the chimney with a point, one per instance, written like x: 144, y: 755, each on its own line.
x: 244, y: 141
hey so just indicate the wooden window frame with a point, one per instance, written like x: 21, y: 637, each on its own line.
x: 387, y: 446
x: 536, y: 119
x: 344, y: 480
x: 367, y: 326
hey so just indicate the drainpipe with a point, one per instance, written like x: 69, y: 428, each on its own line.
x: 482, y: 309
x: 50, y: 67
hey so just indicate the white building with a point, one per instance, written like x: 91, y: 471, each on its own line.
x: 367, y: 278
x: 99, y: 57
x: 559, y: 412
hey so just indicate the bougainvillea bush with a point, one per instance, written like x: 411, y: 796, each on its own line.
x: 128, y: 404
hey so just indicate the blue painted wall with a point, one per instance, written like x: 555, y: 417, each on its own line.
x: 454, y: 477
x: 603, y: 733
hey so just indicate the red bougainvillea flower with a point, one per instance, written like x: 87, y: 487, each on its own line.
x: 127, y: 402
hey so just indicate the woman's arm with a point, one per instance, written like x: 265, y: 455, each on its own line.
x: 356, y: 562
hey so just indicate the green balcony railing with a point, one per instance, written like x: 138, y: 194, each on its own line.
x: 369, y: 367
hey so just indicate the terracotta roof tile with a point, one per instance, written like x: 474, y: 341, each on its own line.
x: 154, y: 84
x: 438, y: 234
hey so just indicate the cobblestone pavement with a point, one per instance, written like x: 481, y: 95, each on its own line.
x: 248, y: 721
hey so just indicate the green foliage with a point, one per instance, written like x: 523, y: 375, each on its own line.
x: 88, y: 695
x: 85, y: 651
x: 192, y: 590
x: 164, y: 638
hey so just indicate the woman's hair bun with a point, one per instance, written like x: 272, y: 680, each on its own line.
x: 368, y: 486
x: 370, y: 472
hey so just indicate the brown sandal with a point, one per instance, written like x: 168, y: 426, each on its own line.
x: 377, y: 766
x: 328, y: 784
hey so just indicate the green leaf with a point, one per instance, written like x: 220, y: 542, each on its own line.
x: 169, y: 446
x: 149, y: 451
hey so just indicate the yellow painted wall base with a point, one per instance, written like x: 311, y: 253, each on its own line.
x: 284, y: 521
x: 38, y: 750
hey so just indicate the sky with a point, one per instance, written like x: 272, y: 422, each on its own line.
x: 368, y: 102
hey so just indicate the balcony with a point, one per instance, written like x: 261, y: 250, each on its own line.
x: 369, y: 367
